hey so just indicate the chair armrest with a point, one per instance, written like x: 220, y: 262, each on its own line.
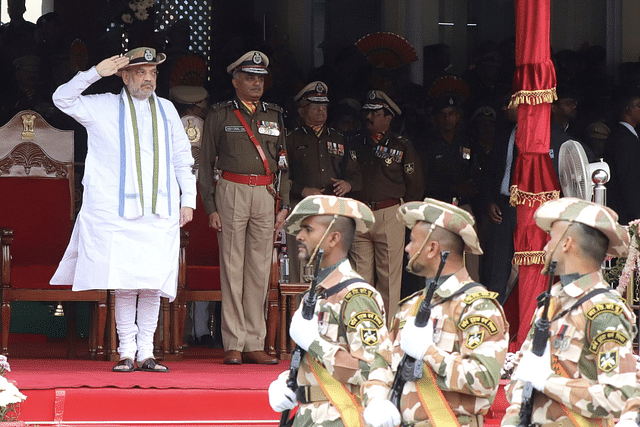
x: 6, y: 238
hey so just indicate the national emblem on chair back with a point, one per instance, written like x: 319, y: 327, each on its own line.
x: 37, y: 191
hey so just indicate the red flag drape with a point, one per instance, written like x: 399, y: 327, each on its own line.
x: 534, y: 177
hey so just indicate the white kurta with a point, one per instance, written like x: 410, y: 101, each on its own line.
x: 107, y: 251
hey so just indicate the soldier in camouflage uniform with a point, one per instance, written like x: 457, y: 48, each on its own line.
x: 588, y: 370
x: 629, y: 417
x: 347, y: 342
x: 465, y: 342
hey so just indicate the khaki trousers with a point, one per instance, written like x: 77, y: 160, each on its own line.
x: 245, y: 243
x: 378, y: 254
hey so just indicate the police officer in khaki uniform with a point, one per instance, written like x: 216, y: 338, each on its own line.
x: 465, y: 341
x: 347, y: 343
x: 246, y: 137
x: 319, y: 159
x: 588, y: 369
x: 393, y: 174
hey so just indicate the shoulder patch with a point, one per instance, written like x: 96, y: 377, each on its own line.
x: 484, y: 321
x: 358, y: 292
x: 369, y: 336
x: 363, y: 316
x: 479, y: 295
x: 475, y: 339
x: 603, y: 307
x: 607, y: 336
x: 608, y: 360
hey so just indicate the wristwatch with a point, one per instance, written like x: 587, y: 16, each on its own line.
x: 287, y: 207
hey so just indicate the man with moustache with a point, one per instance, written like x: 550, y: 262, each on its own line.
x: 394, y: 175
x: 464, y: 344
x: 138, y: 191
x: 245, y: 139
x: 346, y: 340
x: 319, y: 159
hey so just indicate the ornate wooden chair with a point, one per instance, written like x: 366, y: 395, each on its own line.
x: 37, y: 191
x: 199, y: 275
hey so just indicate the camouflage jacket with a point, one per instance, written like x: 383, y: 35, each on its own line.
x: 632, y: 405
x: 470, y: 345
x: 592, y: 344
x: 354, y: 346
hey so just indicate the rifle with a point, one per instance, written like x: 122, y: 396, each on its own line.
x: 308, y: 308
x: 409, y: 368
x: 538, y: 345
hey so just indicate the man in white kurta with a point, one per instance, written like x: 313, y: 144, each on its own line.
x: 138, y: 191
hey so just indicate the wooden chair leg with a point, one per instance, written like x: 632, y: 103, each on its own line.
x: 166, y: 328
x: 112, y: 351
x: 272, y: 323
x: 72, y: 330
x: 283, y: 326
x: 6, y: 326
x: 99, y: 332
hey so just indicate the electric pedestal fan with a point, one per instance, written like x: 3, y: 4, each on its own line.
x: 578, y: 177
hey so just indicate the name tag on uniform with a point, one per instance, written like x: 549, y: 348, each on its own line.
x: 234, y: 129
x: 269, y: 128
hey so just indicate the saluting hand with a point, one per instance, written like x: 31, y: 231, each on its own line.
x: 110, y: 66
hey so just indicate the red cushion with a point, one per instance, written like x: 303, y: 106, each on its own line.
x: 203, y: 277
x: 203, y: 240
x: 38, y: 211
x: 34, y: 277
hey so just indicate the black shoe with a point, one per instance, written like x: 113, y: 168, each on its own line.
x: 206, y: 340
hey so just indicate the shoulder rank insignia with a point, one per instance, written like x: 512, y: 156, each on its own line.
x: 479, y: 295
x: 608, y: 360
x: 607, y: 336
x: 363, y: 316
x: 475, y: 339
x: 604, y: 307
x: 369, y: 336
x: 484, y: 321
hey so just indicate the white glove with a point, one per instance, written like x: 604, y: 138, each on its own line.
x: 281, y: 397
x: 381, y: 413
x: 534, y: 369
x: 626, y: 423
x: 415, y: 341
x: 303, y: 331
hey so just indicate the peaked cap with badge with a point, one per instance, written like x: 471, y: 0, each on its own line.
x: 143, y: 56
x: 444, y: 215
x: 252, y: 62
x: 377, y: 99
x: 330, y: 205
x: 189, y: 95
x: 445, y: 101
x: 314, y: 92
x: 596, y: 216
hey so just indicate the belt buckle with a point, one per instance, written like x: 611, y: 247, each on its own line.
x: 253, y: 180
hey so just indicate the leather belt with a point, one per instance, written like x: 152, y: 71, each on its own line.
x: 314, y: 393
x: 383, y: 204
x: 248, y: 179
x: 310, y: 394
x: 471, y: 420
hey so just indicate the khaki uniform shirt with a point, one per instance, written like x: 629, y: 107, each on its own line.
x: 593, y: 344
x: 226, y: 141
x: 470, y: 345
x: 391, y: 168
x: 355, y: 349
x: 314, y: 160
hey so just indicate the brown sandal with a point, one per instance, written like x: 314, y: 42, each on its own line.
x: 124, y: 365
x: 150, y: 365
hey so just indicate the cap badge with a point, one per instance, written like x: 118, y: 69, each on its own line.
x: 148, y: 55
x: 319, y: 88
x: 451, y: 101
x: 257, y: 59
x: 372, y: 95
